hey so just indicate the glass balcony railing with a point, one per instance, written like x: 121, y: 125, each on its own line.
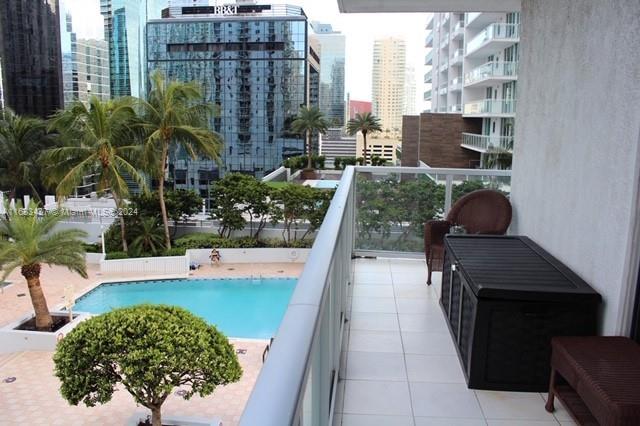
x: 428, y: 59
x: 427, y: 94
x: 375, y: 211
x: 485, y: 143
x: 429, y: 23
x: 456, y: 83
x: 444, y: 40
x: 490, y: 107
x: 428, y: 77
x: 458, y: 27
x: 428, y: 41
x: 443, y: 90
x: 444, y: 65
x: 491, y: 69
x: 442, y: 108
x: 457, y: 55
x: 494, y: 31
x: 455, y: 108
x: 445, y: 17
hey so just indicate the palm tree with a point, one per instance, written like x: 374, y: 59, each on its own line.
x: 148, y: 236
x: 308, y: 121
x: 174, y: 114
x: 27, y: 241
x: 98, y: 139
x: 365, y: 123
x: 21, y: 140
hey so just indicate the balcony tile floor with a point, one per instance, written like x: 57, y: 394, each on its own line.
x: 400, y: 366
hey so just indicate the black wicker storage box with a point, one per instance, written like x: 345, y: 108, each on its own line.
x: 504, y: 297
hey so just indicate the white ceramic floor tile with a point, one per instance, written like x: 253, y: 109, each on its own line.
x: 433, y: 322
x: 444, y: 400
x: 428, y: 343
x: 413, y: 291
x: 376, y: 397
x: 434, y: 368
x: 383, y: 305
x: 375, y: 341
x: 561, y: 414
x: 434, y: 421
x: 373, y: 278
x: 376, y: 366
x: 373, y: 321
x: 417, y: 279
x: 416, y: 306
x: 513, y: 406
x: 373, y: 291
x: 512, y: 422
x: 372, y: 420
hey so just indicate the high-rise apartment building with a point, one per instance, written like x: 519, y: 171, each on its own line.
x: 472, y: 62
x: 85, y: 52
x: 124, y: 29
x: 332, y: 60
x: 30, y: 52
x: 388, y: 80
x: 410, y: 91
x: 257, y: 68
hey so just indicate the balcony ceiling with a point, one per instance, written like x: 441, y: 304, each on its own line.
x: 384, y: 6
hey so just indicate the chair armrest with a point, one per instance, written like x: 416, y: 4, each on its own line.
x: 434, y: 232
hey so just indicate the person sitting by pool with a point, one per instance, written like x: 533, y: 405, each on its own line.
x: 215, y: 257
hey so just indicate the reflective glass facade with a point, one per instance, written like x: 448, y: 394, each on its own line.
x: 124, y: 25
x: 253, y: 71
x: 85, y: 52
x: 30, y: 51
x: 332, y: 60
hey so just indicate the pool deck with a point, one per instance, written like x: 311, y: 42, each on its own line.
x: 33, y: 398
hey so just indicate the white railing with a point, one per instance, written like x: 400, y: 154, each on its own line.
x: 457, y: 55
x: 491, y: 107
x: 455, y: 84
x: 484, y: 143
x: 281, y: 174
x: 297, y: 384
x: 167, y: 265
x: 495, y: 31
x: 491, y: 69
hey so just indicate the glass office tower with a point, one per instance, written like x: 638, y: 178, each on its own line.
x: 30, y: 52
x: 85, y: 52
x: 332, y: 58
x: 256, y: 69
x: 124, y: 29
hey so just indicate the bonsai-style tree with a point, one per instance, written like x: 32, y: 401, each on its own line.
x: 309, y: 121
x: 27, y: 241
x: 174, y: 115
x: 365, y: 123
x: 150, y: 350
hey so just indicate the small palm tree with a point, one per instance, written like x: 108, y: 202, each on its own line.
x: 148, y: 236
x: 308, y: 121
x: 174, y: 114
x: 98, y: 139
x: 21, y: 141
x: 365, y: 123
x: 27, y: 241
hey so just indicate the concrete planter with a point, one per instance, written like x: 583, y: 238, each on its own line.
x: 12, y: 340
x: 251, y: 255
x: 176, y: 420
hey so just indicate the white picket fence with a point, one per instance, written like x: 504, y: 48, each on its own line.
x: 166, y: 265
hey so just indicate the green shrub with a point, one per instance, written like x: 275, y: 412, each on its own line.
x: 149, y: 350
x: 92, y: 248
x: 174, y: 251
x: 115, y: 255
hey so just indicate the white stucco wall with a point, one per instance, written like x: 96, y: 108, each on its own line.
x: 575, y: 170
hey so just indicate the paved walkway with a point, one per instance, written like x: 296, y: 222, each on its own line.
x: 401, y: 365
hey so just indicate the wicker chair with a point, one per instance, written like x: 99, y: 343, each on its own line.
x: 480, y: 212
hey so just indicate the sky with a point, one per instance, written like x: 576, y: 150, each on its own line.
x: 360, y: 29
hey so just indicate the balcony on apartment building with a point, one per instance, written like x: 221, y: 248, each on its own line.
x: 362, y: 332
x: 445, y: 18
x: 486, y: 143
x: 443, y: 90
x: 490, y: 108
x: 429, y: 25
x: 444, y: 40
x: 428, y: 41
x: 455, y: 58
x: 455, y: 85
x: 428, y: 76
x: 493, y: 38
x: 428, y: 59
x: 444, y: 65
x: 427, y: 95
x: 442, y: 108
x: 491, y: 73
x: 455, y: 108
x: 457, y: 33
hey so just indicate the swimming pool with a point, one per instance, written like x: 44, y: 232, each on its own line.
x: 248, y: 308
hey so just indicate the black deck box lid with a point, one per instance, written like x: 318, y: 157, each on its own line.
x: 514, y: 267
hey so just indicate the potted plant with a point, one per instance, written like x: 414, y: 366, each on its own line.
x: 27, y: 240
x: 148, y: 349
x: 309, y: 121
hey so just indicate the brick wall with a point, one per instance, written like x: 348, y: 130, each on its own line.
x: 439, y: 138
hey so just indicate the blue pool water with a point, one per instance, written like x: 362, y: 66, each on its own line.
x: 249, y: 308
